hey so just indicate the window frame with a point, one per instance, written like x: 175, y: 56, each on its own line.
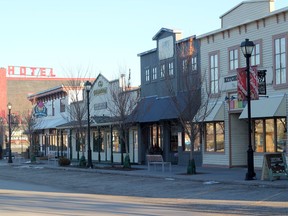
x: 147, y: 74
x: 154, y: 73
x: 214, y: 142
x: 254, y: 55
x: 171, y: 68
x: 216, y: 81
x: 263, y: 135
x: 235, y: 60
x: 194, y: 63
x: 283, y: 84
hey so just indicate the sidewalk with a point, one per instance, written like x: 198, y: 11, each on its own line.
x: 207, y: 175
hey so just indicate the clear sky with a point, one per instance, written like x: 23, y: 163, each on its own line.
x: 100, y: 36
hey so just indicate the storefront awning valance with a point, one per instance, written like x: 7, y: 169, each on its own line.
x: 211, y: 112
x: 154, y: 109
x: 266, y: 108
x: 49, y: 123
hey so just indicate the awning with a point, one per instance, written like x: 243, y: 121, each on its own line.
x: 266, y: 108
x: 211, y: 112
x: 153, y: 109
x: 48, y: 123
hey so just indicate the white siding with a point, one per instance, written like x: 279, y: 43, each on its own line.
x: 248, y: 11
x: 236, y: 137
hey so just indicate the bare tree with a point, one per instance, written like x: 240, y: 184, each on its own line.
x: 191, y: 97
x: 29, y: 125
x: 123, y: 101
x: 76, y: 108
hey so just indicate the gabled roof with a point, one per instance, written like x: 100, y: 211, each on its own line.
x: 279, y: 11
x: 162, y: 30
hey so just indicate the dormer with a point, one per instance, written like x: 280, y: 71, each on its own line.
x: 166, y: 39
x: 248, y: 11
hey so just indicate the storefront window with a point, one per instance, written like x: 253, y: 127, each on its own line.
x: 98, y: 140
x: 259, y: 136
x: 156, y: 136
x: 116, y: 144
x: 214, y: 136
x: 193, y: 133
x: 268, y: 132
x: 174, y: 139
x: 270, y: 147
x: 281, y: 135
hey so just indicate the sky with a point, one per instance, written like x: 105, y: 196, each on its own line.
x: 98, y: 36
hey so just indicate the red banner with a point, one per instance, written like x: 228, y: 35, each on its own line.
x: 242, y: 84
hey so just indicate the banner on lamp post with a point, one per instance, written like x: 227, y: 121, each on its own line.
x: 242, y: 84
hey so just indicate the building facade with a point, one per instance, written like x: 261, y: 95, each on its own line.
x: 167, y: 74
x: 16, y: 83
x: 225, y: 141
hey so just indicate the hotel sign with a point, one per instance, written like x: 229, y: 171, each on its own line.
x: 36, y: 72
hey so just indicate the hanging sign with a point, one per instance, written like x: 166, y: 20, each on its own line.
x: 242, y: 84
x: 262, y: 82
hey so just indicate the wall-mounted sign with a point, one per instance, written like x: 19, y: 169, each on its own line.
x: 40, y: 110
x: 100, y: 91
x: 21, y: 71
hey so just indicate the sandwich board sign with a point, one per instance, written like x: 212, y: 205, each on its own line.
x: 274, y: 166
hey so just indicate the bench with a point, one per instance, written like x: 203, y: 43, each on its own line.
x: 157, y: 160
x: 52, y: 158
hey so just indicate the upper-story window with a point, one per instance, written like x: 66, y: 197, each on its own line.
x: 280, y: 60
x: 255, y: 56
x: 147, y: 75
x: 62, y: 105
x: 171, y: 69
x: 154, y: 73
x: 214, y: 72
x: 194, y: 63
x: 184, y: 65
x: 162, y: 71
x: 233, y: 58
x: 53, y: 108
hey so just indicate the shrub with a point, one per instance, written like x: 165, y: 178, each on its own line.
x: 63, y: 161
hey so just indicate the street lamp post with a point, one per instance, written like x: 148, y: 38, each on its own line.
x: 247, y: 49
x: 88, y: 88
x: 9, y: 127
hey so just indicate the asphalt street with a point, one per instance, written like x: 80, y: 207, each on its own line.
x: 194, y: 196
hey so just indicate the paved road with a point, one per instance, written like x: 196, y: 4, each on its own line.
x: 133, y: 194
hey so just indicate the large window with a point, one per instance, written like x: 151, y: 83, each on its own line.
x: 233, y: 59
x: 255, y: 56
x: 162, y: 71
x: 280, y: 60
x: 171, y: 69
x: 156, y: 139
x: 154, y: 73
x: 214, y: 137
x: 214, y: 73
x: 194, y: 63
x: 98, y: 143
x: 174, y: 138
x: 184, y: 65
x: 270, y: 135
x: 147, y: 75
x: 116, y: 143
x: 62, y: 105
x: 195, y: 136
